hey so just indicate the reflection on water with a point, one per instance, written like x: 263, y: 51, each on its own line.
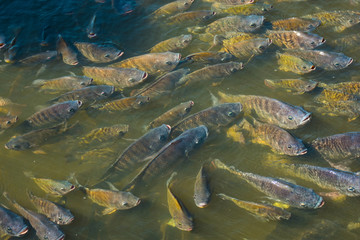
x: 135, y: 34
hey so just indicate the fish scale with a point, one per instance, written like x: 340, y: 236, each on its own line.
x: 125, y: 103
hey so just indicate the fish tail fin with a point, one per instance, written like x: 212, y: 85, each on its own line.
x: 168, y: 182
x: 6, y: 196
x: 38, y: 82
x: 214, y: 99
x: 269, y: 83
x: 222, y: 196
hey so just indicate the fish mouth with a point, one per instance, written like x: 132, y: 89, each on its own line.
x: 213, y: 13
x: 2, y: 45
x: 302, y: 152
x: 8, y: 61
x: 7, y: 147
x: 313, y: 67
x: 350, y: 61
x: 323, y: 40
x: 24, y: 231
x: 120, y: 54
x: 138, y: 202
x: 75, y: 63
x: 306, y: 118
x: 145, y: 76
x: 79, y: 103
x: 169, y: 127
x: 72, y: 187
x: 61, y: 238
x: 320, y: 203
x: 92, y: 35
x: 70, y: 220
x: 201, y: 205
x: 191, y: 103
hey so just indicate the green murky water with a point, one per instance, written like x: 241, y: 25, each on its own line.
x: 135, y: 34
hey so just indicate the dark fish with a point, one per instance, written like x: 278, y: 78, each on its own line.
x: 35, y: 138
x: 232, y: 2
x: 122, y: 104
x: 271, y: 110
x: 323, y: 59
x: 209, y: 57
x: 45, y: 37
x: 39, y: 58
x: 90, y: 30
x: 295, y: 39
x: 172, y: 153
x: 164, y: 85
x: 10, y: 54
x: 98, y: 53
x: 289, y: 193
x: 66, y: 83
x: 117, y: 77
x: 69, y: 56
x: 105, y: 133
x: 179, y: 214
x: 137, y: 152
x: 263, y: 210
x: 295, y: 24
x: 151, y: 63
x: 52, y: 211
x: 45, y: 229
x: 12, y: 224
x: 123, y: 7
x: 173, y: 115
x: 2, y: 41
x: 202, y: 192
x: 7, y: 121
x: 213, y: 117
x: 54, y: 114
x: 297, y: 86
x: 173, y: 8
x: 87, y: 95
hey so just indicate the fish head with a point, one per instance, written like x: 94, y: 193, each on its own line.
x: 303, y: 66
x: 305, y: 198
x: 186, y: 39
x: 202, y: 198
x: 128, y: 200
x: 137, y: 76
x: 71, y: 107
x: 141, y: 101
x: 208, y: 15
x: 229, y: 111
x: 309, y: 86
x: 124, y: 7
x: 86, y: 81
x: 266, y: 7
x: 110, y: 53
x: 171, y: 60
x: 62, y: 217
x: 12, y: 224
x: 350, y: 19
x: 199, y: 135
x: 261, y: 44
x: 2, y: 41
x: 10, y: 54
x: 63, y: 187
x: 225, y: 57
x: 292, y: 146
x: 71, y: 59
x: 187, y: 107
x: 251, y: 23
x: 8, y: 121
x: 184, y: 223
x: 309, y: 40
x: 18, y: 144
x: 311, y: 24
x: 292, y: 117
x: 340, y: 61
x: 105, y: 90
x: 161, y: 134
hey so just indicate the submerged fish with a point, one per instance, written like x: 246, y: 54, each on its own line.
x: 295, y: 39
x: 346, y: 87
x: 11, y: 224
x: 164, y: 85
x: 69, y: 56
x: 350, y: 109
x: 297, y: 86
x: 295, y: 24
x: 172, y: 44
x: 53, y: 187
x: 323, y: 59
x: 122, y: 104
x: 280, y: 141
x: 123, y: 7
x: 52, y: 211
x: 173, y: 115
x: 246, y: 48
x: 117, y: 77
x: 202, y: 192
x: 45, y: 229
x: 143, y: 147
x: 54, y: 114
x: 113, y: 200
x: 271, y: 110
x: 39, y: 58
x: 152, y: 62
x: 290, y: 63
x: 98, y: 53
x: 242, y: 9
x: 289, y: 193
x: 212, y: 117
x: 7, y: 121
x: 66, y: 83
x: 90, y: 30
x: 209, y: 57
x: 171, y: 154
x: 179, y: 214
x: 192, y: 17
x: 173, y: 8
x: 11, y: 51
x: 331, y: 95
x: 105, y: 133
x: 263, y: 210
x: 232, y: 2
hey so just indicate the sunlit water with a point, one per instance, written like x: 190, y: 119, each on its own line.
x: 135, y: 34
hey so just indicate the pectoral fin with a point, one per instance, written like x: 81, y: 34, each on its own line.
x: 171, y: 222
x: 281, y: 205
x: 108, y: 211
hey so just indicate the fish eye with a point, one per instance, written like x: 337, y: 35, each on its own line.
x: 71, y: 110
x: 107, y: 55
x: 312, y: 43
x: 9, y: 229
x: 350, y: 21
x: 8, y: 122
x: 231, y: 114
x: 60, y: 219
x: 62, y: 189
x: 290, y: 117
x: 253, y: 25
x: 124, y: 203
x: 206, y: 17
x: 289, y: 146
x: 261, y: 47
x: 304, y: 67
x: 302, y: 204
x: 185, y: 3
x: 351, y: 189
x: 131, y: 80
x: 46, y: 237
x: 163, y: 138
x: 169, y: 63
x: 337, y: 64
x: 17, y: 146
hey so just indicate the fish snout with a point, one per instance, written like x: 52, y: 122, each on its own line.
x: 24, y: 231
x: 302, y: 151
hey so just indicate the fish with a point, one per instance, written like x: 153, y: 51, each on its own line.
x: 151, y: 63
x: 209, y: 57
x: 349, y: 42
x: 346, y: 87
x: 39, y: 58
x: 54, y: 187
x: 163, y: 85
x: 172, y: 44
x: 117, y: 77
x: 179, y: 213
x: 65, y: 83
x: 295, y: 39
x: 294, y: 195
x: 296, y: 86
x: 295, y: 24
x: 326, y: 60
x: 350, y: 109
x: 139, y: 150
x: 126, y: 103
x: 11, y: 50
x: 45, y: 37
x: 243, y: 9
x: 45, y: 229
x: 263, y: 210
x: 232, y: 2
x: 337, y: 20
x: 123, y: 7
x: 113, y: 200
x: 87, y: 95
x: 278, y: 139
x: 344, y: 182
x: 171, y: 154
x: 213, y: 117
x: 7, y: 121
x: 202, y: 192
x: 90, y: 30
x: 329, y: 95
x: 69, y: 56
x: 246, y: 48
x: 173, y: 115
x: 54, y: 212
x: 12, y: 224
x: 270, y: 110
x: 35, y: 138
x: 105, y: 133
x: 290, y: 63
x: 54, y: 114
x: 172, y: 8
x: 98, y: 53
x: 192, y: 17
x: 212, y: 72
x: 98, y: 154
